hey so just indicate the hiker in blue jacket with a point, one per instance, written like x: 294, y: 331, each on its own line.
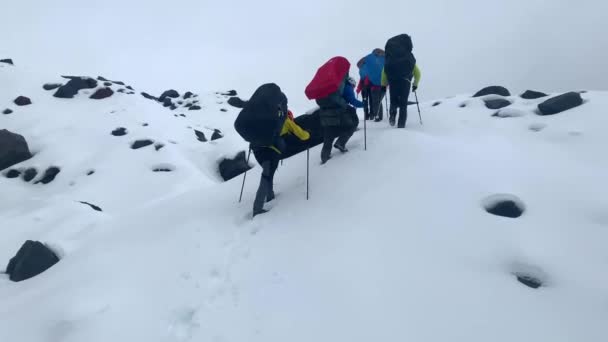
x: 370, y: 84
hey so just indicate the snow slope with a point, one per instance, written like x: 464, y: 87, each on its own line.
x: 394, y: 243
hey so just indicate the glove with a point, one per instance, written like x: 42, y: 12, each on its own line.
x: 414, y: 88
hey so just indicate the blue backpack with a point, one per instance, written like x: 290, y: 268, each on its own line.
x: 372, y: 68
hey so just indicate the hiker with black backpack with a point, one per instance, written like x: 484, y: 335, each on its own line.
x: 400, y: 69
x: 334, y: 92
x: 370, y: 84
x: 264, y: 123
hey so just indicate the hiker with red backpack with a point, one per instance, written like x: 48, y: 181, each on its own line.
x: 264, y: 123
x: 400, y: 69
x: 334, y: 92
x: 370, y: 84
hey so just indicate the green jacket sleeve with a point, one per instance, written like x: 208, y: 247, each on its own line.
x: 384, y: 81
x: 417, y: 75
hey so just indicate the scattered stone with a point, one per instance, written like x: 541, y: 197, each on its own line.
x: 49, y: 175
x: 7, y: 111
x: 141, y: 143
x: 223, y: 110
x: 130, y: 88
x: 497, y: 103
x: 119, y: 83
x: 217, y: 134
x: 121, y: 90
x: 22, y: 101
x: 167, y: 102
x: 200, y: 136
x: 493, y: 90
x: 103, y: 79
x: 188, y: 95
x: 51, y: 86
x: 560, y: 103
x: 188, y: 105
x: 148, y: 96
x: 102, y: 93
x: 32, y: 259
x: 237, y: 102
x: 529, y: 281
x: 13, y: 173
x: 30, y: 174
x: 145, y: 124
x: 463, y: 105
x: 90, y: 172
x: 108, y: 84
x: 119, y: 132
x: 532, y: 95
x: 13, y: 149
x: 7, y: 61
x: 74, y: 85
x: 232, y: 167
x: 509, y: 113
x: 195, y: 108
x: 230, y: 93
x: 93, y: 206
x: 173, y: 107
x: 436, y: 103
x: 168, y: 94
x: 504, y: 205
x: 183, y: 115
x: 162, y: 170
x: 159, y: 146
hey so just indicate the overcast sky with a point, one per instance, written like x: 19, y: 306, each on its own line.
x: 203, y: 45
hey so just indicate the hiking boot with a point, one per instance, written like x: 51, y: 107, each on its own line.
x: 270, y: 197
x: 340, y: 147
x: 258, y: 212
x: 325, y: 159
x: 378, y: 120
x: 391, y: 120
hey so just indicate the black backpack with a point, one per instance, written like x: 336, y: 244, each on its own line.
x: 261, y: 120
x: 399, y: 60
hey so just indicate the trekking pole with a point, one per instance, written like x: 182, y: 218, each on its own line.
x: 386, y: 102
x: 364, y: 132
x: 244, y: 176
x: 307, y: 170
x: 418, y: 105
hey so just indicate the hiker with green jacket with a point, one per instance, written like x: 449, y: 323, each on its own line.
x: 400, y: 70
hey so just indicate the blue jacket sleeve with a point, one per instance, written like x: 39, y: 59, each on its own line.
x: 349, y: 96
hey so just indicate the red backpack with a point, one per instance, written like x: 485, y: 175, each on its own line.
x: 328, y: 78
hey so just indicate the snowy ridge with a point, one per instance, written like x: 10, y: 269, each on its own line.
x: 394, y: 245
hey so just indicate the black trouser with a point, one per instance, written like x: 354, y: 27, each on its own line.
x: 400, y: 92
x: 269, y: 161
x: 372, y: 102
x: 343, y: 132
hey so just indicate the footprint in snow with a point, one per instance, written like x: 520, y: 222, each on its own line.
x: 184, y: 324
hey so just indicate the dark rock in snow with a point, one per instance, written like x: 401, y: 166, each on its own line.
x: 173, y: 107
x: 108, y: 84
x: 51, y: 86
x: 224, y: 110
x: 200, y: 135
x: 93, y: 206
x: 130, y: 88
x: 141, y: 143
x: 497, y: 103
x: 463, y: 105
x: 145, y: 124
x: 531, y: 95
x: 232, y: 167
x: 183, y: 115
x: 167, y: 102
x: 237, y: 102
x: 102, y: 93
x: 30, y: 174
x: 121, y: 90
x: 195, y: 108
x: 504, y: 206
x: 159, y: 146
x: 119, y: 83
x: 436, y: 103
x: 32, y: 259
x: 22, y: 101
x: 493, y: 90
x: 217, y: 134
x: 169, y: 93
x: 103, y: 79
x: 162, y: 169
x: 188, y: 95
x: 7, y: 61
x: 229, y: 93
x: 529, y: 281
x: 90, y: 172
x: 13, y: 149
x: 188, y: 105
x: 74, y: 85
x: 119, y: 132
x: 49, y: 175
x: 7, y: 111
x: 560, y: 103
x: 13, y: 173
x: 148, y: 96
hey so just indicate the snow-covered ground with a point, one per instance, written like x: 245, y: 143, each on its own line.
x: 394, y: 243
